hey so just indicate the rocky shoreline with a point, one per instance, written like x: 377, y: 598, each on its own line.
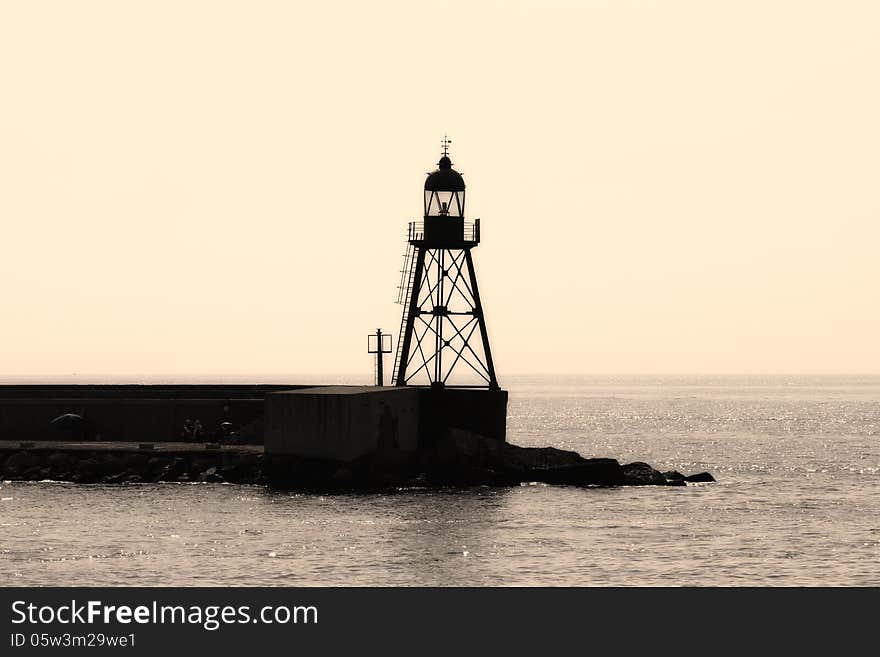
x: 458, y: 459
x: 101, y: 466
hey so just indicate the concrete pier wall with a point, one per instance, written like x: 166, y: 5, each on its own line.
x: 342, y: 423
x: 133, y: 412
x: 472, y: 409
x: 338, y: 423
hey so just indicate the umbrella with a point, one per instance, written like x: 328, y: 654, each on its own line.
x: 73, y: 426
x: 68, y: 421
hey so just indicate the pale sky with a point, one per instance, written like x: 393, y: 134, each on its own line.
x: 222, y: 188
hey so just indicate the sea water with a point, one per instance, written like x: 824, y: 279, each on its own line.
x: 797, y: 502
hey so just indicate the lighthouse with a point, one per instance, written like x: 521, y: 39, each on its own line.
x: 444, y: 384
x: 443, y: 338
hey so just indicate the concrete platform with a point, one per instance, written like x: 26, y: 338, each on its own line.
x: 342, y: 423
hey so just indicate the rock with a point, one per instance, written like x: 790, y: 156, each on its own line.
x: 211, y: 476
x: 155, y: 463
x: 465, y: 458
x: 116, y: 478
x: 196, y: 466
x: 61, y: 461
x: 701, y: 477
x: 165, y: 473
x: 673, y: 475
x: 458, y: 448
x: 343, y: 476
x: 20, y: 462
x: 164, y: 468
x: 592, y: 472
x: 202, y: 462
x: 231, y: 473
x: 34, y: 473
x: 513, y: 457
x: 642, y: 474
x: 176, y: 467
x: 136, y: 460
x: 89, y: 466
x: 110, y: 464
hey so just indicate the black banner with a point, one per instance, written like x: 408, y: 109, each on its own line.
x: 286, y: 621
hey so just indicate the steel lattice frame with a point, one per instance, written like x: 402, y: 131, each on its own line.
x: 441, y: 319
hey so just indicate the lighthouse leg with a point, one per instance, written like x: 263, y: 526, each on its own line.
x: 478, y: 311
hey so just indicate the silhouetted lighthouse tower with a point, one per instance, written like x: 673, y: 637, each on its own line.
x: 443, y: 329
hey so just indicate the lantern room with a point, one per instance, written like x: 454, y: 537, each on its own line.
x: 444, y: 191
x: 444, y: 205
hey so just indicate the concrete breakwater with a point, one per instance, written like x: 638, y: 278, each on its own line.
x: 131, y: 413
x: 457, y: 459
x: 294, y: 437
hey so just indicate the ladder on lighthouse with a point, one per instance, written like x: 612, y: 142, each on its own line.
x: 404, y: 292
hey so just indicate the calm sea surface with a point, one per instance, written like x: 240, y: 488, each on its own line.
x: 797, y: 502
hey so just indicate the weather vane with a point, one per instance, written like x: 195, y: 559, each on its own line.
x: 446, y: 143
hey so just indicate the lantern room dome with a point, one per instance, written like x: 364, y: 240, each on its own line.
x: 445, y: 178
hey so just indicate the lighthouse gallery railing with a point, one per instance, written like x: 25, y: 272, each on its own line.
x: 416, y: 231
